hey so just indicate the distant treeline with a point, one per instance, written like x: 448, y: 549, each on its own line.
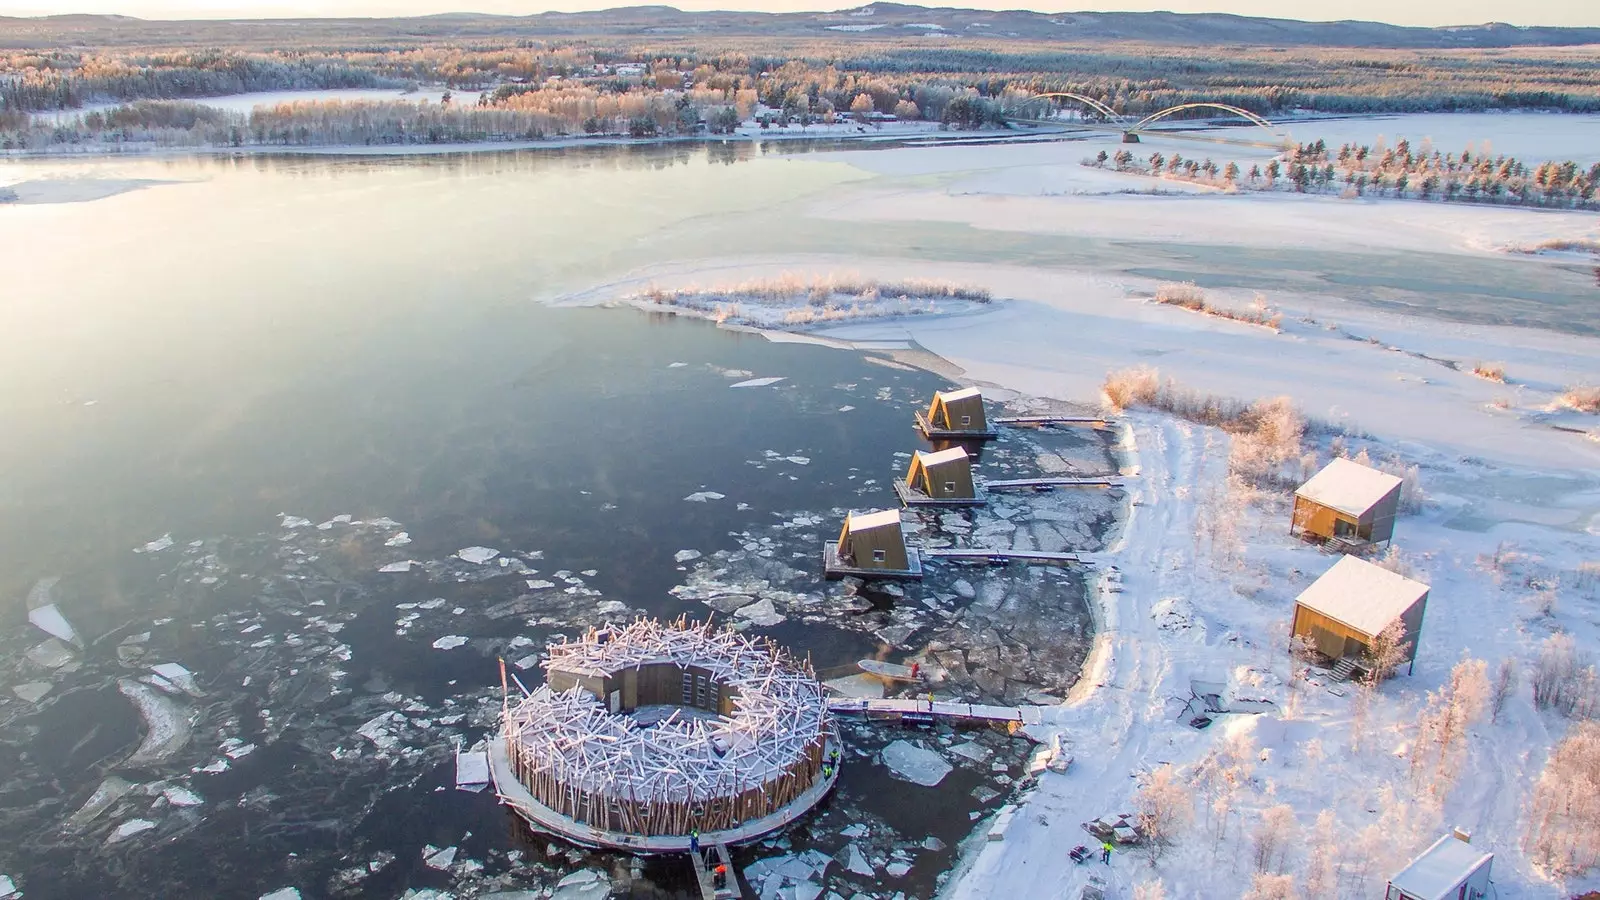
x: 1402, y: 171
x: 811, y: 78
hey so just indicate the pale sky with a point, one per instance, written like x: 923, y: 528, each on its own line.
x: 1416, y: 12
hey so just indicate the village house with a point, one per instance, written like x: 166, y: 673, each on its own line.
x: 1341, y: 614
x: 871, y: 545
x: 941, y: 478
x: 956, y: 414
x: 1347, y: 503
x: 1452, y: 869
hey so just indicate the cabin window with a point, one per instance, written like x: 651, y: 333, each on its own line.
x: 688, y: 688
x: 949, y: 487
x: 880, y: 555
x: 1343, y: 528
x: 966, y: 420
x: 700, y: 692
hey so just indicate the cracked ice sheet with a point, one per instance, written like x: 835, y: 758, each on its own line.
x: 479, y: 555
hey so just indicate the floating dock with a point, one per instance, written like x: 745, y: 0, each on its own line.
x: 940, y: 709
x: 933, y: 432
x: 910, y: 496
x: 1000, y: 557
x: 1048, y: 484
x: 833, y: 569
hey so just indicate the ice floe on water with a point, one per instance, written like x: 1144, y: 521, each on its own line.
x: 915, y: 764
x: 287, y: 893
x: 703, y: 496
x: 399, y: 540
x: 402, y: 566
x: 166, y: 723
x: 293, y: 521
x: 758, y: 382
x: 8, y: 888
x: 157, y: 545
x: 685, y: 555
x: 33, y: 691
x: 130, y: 828
x: 449, y: 642
x: 479, y: 555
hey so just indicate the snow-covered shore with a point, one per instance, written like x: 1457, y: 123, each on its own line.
x: 1514, y: 502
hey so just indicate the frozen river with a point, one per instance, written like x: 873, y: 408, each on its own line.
x: 220, y: 359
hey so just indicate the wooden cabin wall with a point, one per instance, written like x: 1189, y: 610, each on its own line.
x: 887, y: 539
x: 1332, y: 642
x: 1379, y: 521
x: 957, y: 472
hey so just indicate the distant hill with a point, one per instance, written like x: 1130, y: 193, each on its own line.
x: 875, y: 23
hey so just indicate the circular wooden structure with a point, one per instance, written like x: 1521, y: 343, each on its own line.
x: 646, y: 732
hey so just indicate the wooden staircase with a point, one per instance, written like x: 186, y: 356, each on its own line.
x: 1343, y: 669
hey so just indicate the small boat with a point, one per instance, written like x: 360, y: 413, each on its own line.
x: 891, y: 670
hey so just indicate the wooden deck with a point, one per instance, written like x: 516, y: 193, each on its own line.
x: 1045, y: 557
x: 1094, y: 421
x: 1048, y: 484
x: 932, y: 433
x: 910, y: 496
x: 944, y: 709
x: 833, y: 570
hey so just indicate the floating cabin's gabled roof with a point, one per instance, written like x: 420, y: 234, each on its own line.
x: 880, y: 519
x: 1348, y: 487
x: 962, y: 394
x: 1364, y: 596
x: 1439, y: 868
x: 941, y: 457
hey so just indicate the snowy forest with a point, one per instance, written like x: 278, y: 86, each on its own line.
x: 1401, y: 171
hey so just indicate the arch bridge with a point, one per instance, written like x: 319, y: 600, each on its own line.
x: 1131, y: 128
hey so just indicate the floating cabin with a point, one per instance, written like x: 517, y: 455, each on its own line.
x: 1341, y: 613
x: 1347, y: 504
x: 646, y: 733
x: 1452, y: 869
x: 943, y: 478
x: 956, y: 414
x: 871, y: 545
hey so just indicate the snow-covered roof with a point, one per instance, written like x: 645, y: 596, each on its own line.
x: 962, y: 394
x: 943, y: 456
x: 1364, y: 596
x: 1348, y: 487
x: 863, y: 521
x: 1439, y: 871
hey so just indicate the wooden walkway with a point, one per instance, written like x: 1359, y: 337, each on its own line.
x: 1024, y: 715
x: 910, y: 496
x: 833, y: 569
x: 1096, y: 421
x: 708, y: 886
x: 980, y: 555
x: 1046, y: 484
x: 931, y: 431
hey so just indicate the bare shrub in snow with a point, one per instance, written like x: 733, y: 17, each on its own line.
x: 1267, y: 434
x: 1438, y: 752
x: 1388, y: 650
x: 1396, y: 562
x: 1563, y: 834
x: 1265, y: 886
x: 1491, y: 371
x: 1581, y: 397
x: 1164, y: 810
x: 1564, y: 679
x: 1505, y: 684
x: 1587, y: 577
x: 1155, y: 889
x: 1272, y: 839
x: 1321, y: 875
x: 1188, y: 295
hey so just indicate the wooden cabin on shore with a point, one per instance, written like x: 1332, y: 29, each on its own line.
x: 956, y: 415
x: 871, y: 545
x: 1347, y: 504
x: 943, y: 478
x: 1451, y: 869
x: 1341, y: 614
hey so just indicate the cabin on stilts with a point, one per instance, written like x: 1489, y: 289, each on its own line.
x: 956, y: 414
x: 943, y: 478
x: 871, y: 545
x: 1347, y: 505
x: 1342, y: 613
